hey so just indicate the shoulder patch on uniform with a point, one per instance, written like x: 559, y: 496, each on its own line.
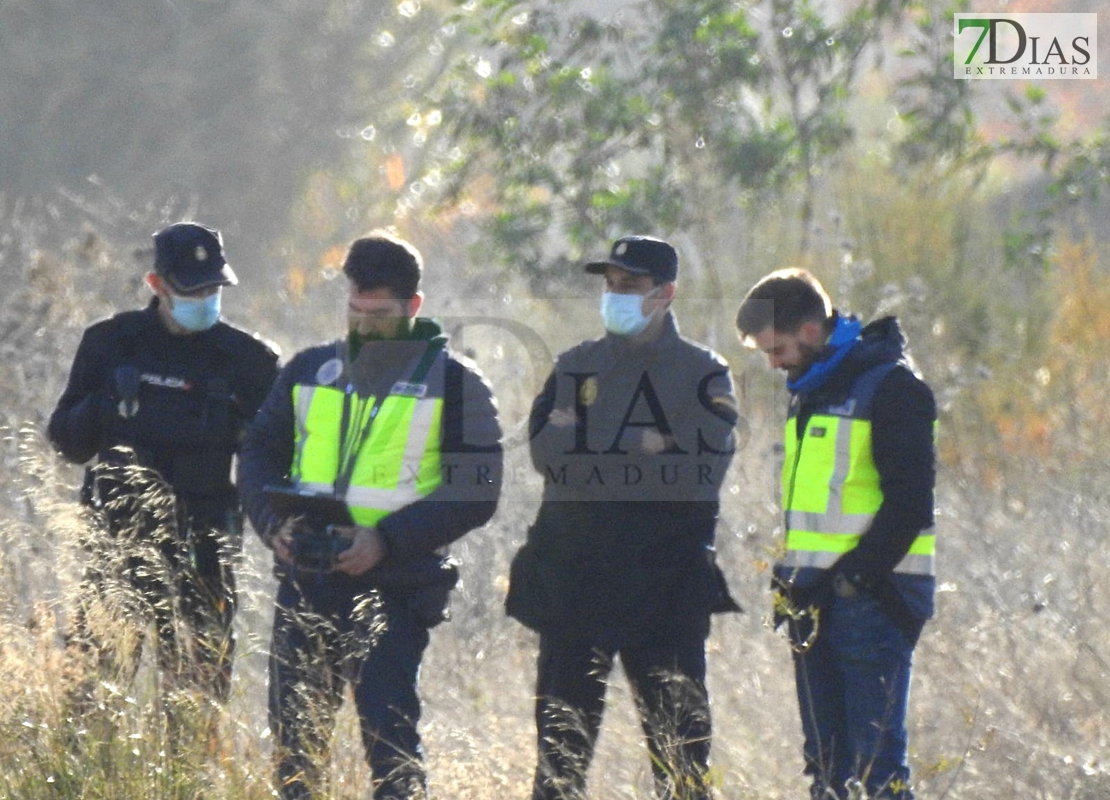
x: 587, y: 394
x: 329, y: 372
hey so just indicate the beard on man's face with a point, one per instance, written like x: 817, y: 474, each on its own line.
x: 807, y: 355
x: 380, y: 329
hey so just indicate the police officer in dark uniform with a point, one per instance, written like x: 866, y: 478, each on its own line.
x: 160, y: 397
x: 633, y: 433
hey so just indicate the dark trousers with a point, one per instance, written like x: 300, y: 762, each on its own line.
x: 853, y: 688
x: 668, y: 684
x: 322, y: 643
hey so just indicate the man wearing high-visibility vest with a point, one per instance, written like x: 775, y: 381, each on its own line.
x: 395, y: 440
x: 855, y: 581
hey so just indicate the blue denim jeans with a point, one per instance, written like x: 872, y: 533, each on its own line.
x: 853, y: 687
x: 320, y: 644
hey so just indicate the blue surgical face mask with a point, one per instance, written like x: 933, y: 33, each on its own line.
x: 623, y: 313
x: 196, y: 313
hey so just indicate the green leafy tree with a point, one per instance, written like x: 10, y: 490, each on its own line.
x: 574, y: 128
x: 946, y: 136
x: 937, y: 111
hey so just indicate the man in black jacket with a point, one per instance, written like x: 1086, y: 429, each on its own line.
x: 856, y: 578
x: 160, y: 397
x: 402, y: 435
x: 633, y: 434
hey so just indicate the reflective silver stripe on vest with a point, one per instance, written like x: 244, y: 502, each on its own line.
x: 383, y: 499
x: 304, y: 402
x: 914, y: 564
x: 911, y: 564
x: 809, y: 558
x: 419, y: 427
x: 840, y: 470
x: 851, y: 524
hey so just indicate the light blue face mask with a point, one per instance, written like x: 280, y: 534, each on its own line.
x: 196, y: 313
x: 623, y: 314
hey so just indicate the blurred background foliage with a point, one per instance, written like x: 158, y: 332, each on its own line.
x: 510, y: 141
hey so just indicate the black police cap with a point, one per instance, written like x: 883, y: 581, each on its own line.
x: 642, y: 255
x: 190, y: 257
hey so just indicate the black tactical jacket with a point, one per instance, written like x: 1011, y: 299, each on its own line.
x: 179, y: 402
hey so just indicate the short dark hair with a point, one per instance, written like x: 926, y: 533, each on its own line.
x: 784, y: 300
x: 382, y: 260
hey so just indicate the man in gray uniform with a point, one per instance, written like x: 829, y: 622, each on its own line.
x: 633, y: 433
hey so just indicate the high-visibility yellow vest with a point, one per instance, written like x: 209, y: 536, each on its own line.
x: 831, y: 488
x: 394, y: 444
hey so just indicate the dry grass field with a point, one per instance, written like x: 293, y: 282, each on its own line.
x: 1011, y: 696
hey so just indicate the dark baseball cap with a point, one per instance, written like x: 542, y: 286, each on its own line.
x: 642, y: 255
x: 190, y: 257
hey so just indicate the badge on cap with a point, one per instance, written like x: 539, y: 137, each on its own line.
x: 620, y: 249
x: 202, y: 253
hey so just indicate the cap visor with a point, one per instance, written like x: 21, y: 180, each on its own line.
x: 224, y: 277
x: 599, y: 267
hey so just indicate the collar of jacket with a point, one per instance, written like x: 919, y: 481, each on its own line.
x: 880, y: 342
x: 844, y: 338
